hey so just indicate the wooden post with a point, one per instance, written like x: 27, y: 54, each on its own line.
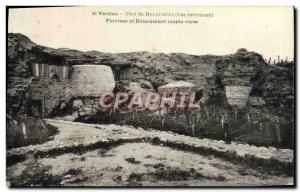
x: 92, y: 108
x: 24, y: 130
x: 222, y: 122
x: 277, y: 129
x: 235, y: 113
x: 249, y: 120
x: 192, y: 124
x: 260, y: 126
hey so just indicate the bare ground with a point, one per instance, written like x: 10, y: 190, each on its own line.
x: 111, y: 155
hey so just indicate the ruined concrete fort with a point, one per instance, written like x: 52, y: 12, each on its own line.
x: 48, y: 77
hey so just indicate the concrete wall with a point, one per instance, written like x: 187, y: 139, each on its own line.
x: 49, y: 92
x: 237, y: 96
x: 86, y: 80
x: 45, y: 70
x: 91, y: 80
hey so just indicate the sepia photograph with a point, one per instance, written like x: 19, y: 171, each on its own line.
x: 150, y: 96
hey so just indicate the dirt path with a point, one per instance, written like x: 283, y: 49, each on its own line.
x: 110, y: 155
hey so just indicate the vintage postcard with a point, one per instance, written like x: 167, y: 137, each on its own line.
x: 155, y: 96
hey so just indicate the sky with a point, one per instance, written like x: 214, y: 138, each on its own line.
x: 266, y: 30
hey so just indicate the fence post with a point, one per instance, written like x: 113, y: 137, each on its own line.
x: 277, y: 129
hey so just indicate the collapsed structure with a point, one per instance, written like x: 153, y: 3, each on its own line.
x: 61, y: 73
x: 185, y: 95
x: 53, y: 86
x: 47, y: 79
